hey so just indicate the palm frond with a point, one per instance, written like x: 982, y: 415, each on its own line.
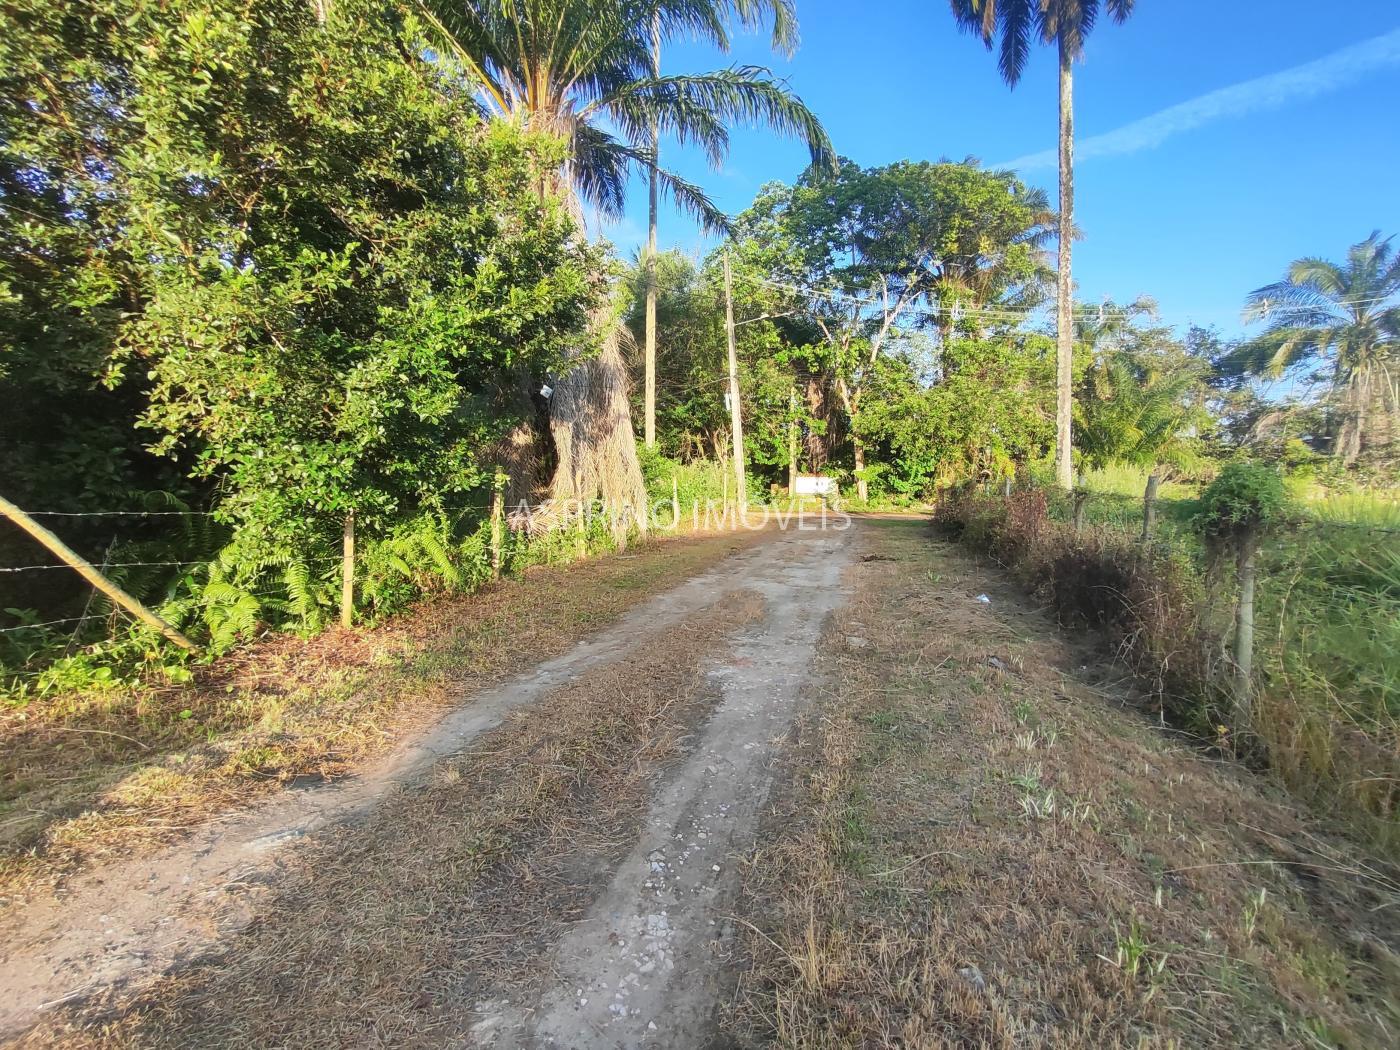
x: 1318, y: 276
x: 697, y: 107
x: 558, y: 65
x: 752, y: 13
x: 598, y: 167
x: 1279, y: 350
x: 1018, y: 22
x: 1282, y: 300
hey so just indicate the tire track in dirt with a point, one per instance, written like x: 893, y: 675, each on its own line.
x: 127, y: 923
x: 645, y: 968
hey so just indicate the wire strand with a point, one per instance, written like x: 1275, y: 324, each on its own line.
x: 46, y: 623
x: 116, y: 513
x: 148, y: 564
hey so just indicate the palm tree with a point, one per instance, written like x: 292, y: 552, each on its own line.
x: 1066, y: 24
x: 584, y: 70
x: 749, y: 12
x: 1346, y: 315
x: 1133, y: 414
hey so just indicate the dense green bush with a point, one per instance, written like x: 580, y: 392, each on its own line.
x: 277, y: 266
x: 1244, y: 497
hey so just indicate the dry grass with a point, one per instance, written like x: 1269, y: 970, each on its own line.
x: 1322, y: 724
x: 87, y: 777
x: 389, y: 933
x: 983, y: 845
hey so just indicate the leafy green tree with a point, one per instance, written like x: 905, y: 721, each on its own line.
x: 1142, y: 395
x: 67, y: 279
x: 584, y: 70
x: 316, y: 263
x: 987, y: 407
x: 691, y: 419
x: 1345, y: 318
x: 692, y: 415
x: 1065, y: 24
x: 874, y: 254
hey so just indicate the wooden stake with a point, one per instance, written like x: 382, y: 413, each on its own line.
x: 347, y: 571
x: 497, y: 521
x: 582, y: 530
x: 792, y: 443
x: 69, y: 557
x: 1149, y: 507
x: 675, y: 503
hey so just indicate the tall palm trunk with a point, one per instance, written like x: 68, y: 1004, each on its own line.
x: 1064, y: 349
x: 1355, y: 402
x: 650, y: 396
x: 595, y: 450
x: 591, y: 422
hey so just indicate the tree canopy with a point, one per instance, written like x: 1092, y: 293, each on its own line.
x: 282, y: 246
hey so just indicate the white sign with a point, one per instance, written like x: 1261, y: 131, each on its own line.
x: 815, y: 485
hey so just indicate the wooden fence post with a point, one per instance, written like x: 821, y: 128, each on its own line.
x: 792, y: 443
x: 675, y: 503
x: 347, y: 571
x: 1149, y: 507
x: 67, y: 555
x: 1079, y: 498
x: 498, y: 514
x: 1244, y: 628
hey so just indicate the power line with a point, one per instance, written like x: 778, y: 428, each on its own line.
x: 1083, y: 312
x: 958, y: 308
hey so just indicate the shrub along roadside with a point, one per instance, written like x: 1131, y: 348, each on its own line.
x: 1325, y: 726
x: 282, y: 272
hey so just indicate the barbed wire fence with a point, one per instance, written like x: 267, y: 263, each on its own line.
x: 573, y: 522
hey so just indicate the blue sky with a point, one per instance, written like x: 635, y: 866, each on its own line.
x: 1281, y: 124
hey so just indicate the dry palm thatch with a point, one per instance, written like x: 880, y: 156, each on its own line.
x: 595, y: 450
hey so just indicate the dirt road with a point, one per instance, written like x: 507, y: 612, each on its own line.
x: 637, y: 963
x: 843, y: 788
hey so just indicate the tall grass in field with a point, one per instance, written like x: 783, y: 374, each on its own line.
x: 1332, y: 601
x: 1326, y: 691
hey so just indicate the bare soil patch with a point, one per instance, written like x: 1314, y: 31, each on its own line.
x: 85, y: 779
x: 391, y: 932
x: 984, y: 842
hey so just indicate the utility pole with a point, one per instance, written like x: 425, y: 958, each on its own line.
x: 736, y: 417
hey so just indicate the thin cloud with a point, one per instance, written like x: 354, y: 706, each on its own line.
x: 1308, y: 80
